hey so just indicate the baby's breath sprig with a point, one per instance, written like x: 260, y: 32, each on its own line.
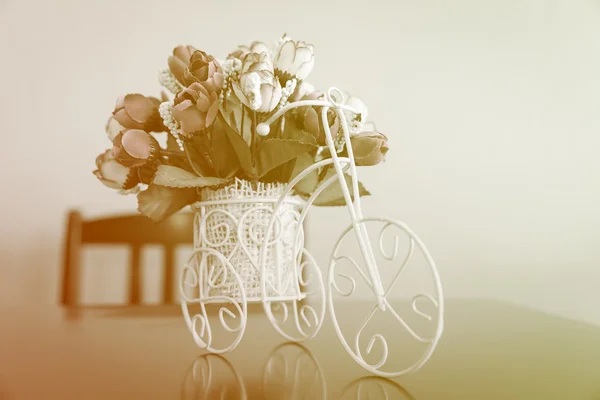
x: 166, y: 112
x: 287, y: 91
x: 168, y: 81
x: 231, y: 69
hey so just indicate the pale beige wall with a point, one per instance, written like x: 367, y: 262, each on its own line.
x: 492, y: 110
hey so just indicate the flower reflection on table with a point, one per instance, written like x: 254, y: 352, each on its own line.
x: 291, y: 371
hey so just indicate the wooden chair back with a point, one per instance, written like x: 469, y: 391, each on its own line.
x: 132, y: 230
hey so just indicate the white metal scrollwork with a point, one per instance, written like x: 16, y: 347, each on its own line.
x: 197, y: 276
x: 354, y: 347
x: 294, y: 311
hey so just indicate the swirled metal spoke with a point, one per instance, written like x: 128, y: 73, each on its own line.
x: 305, y: 316
x: 202, y: 333
x: 397, y: 276
x: 377, y: 338
x: 419, y: 312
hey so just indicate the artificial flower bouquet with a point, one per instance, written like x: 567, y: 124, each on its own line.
x: 207, y: 120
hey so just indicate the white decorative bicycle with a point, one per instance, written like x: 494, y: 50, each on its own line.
x: 250, y: 248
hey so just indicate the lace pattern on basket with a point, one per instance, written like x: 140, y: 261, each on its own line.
x: 237, y: 230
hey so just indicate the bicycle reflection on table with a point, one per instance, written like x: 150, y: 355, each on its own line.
x: 290, y: 372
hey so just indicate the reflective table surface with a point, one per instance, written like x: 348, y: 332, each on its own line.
x: 488, y: 350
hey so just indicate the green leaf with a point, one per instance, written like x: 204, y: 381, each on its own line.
x: 224, y: 158
x: 291, y: 131
x: 174, y: 177
x: 275, y: 175
x: 308, y: 184
x: 159, y: 202
x: 180, y: 162
x: 237, y: 116
x: 333, y: 195
x: 242, y: 151
x: 285, y: 170
x: 198, y: 149
x: 275, y: 152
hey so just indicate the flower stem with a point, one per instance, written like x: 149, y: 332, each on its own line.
x: 281, y: 127
x: 254, y: 137
x: 323, y: 173
x: 171, y: 153
x: 242, y: 123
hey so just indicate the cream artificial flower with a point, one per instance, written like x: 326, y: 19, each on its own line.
x: 113, y: 128
x: 112, y: 174
x: 360, y: 107
x: 257, y: 86
x: 294, y: 58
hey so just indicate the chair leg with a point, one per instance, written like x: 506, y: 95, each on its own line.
x: 168, y: 281
x: 134, y: 277
x: 72, y: 261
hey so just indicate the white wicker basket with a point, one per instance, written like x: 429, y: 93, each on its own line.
x: 233, y: 222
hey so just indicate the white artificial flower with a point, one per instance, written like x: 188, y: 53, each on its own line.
x: 251, y: 88
x: 110, y: 172
x: 260, y: 47
x: 113, y: 128
x: 257, y: 87
x: 360, y: 107
x: 302, y: 90
x: 295, y: 58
